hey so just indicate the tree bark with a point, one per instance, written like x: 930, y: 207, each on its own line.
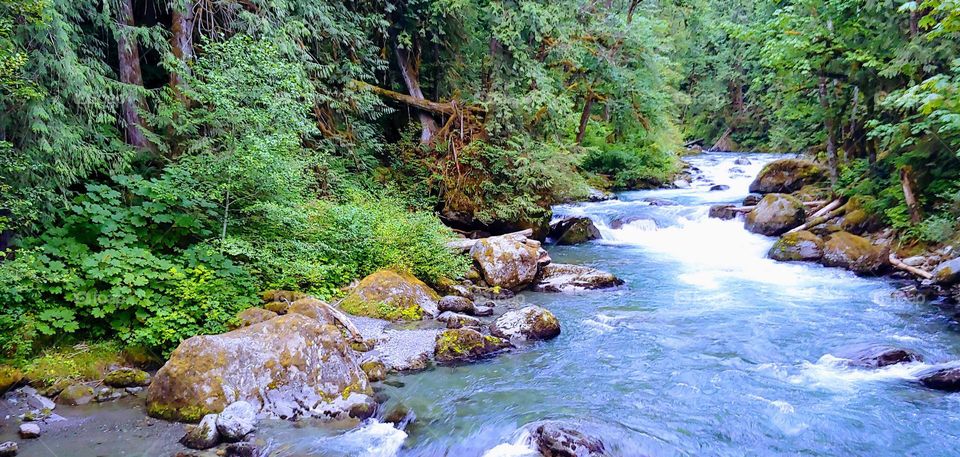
x: 585, y: 117
x: 129, y: 55
x: 419, y: 103
x: 906, y: 181
x: 828, y: 125
x: 411, y: 73
x: 181, y: 41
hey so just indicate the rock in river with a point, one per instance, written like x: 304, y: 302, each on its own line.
x: 287, y: 367
x: 877, y: 355
x: 203, y: 435
x: 787, y: 176
x: 456, y: 304
x: 947, y: 273
x: 947, y: 379
x: 574, y: 230
x: 857, y: 254
x: 528, y: 323
x: 724, y: 212
x: 456, y: 320
x: 506, y: 261
x: 558, y: 277
x: 775, y: 215
x: 76, y: 395
x: 237, y: 421
x: 559, y: 439
x: 8, y: 449
x: 797, y: 246
x: 392, y: 296
x: 29, y: 430
x: 463, y: 344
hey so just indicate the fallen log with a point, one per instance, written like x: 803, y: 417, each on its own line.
x: 819, y: 220
x: 449, y: 108
x: 826, y: 209
x: 912, y: 270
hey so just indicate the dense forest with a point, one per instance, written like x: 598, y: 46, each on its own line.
x: 165, y: 161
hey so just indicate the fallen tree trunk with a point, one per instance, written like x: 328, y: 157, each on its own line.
x: 912, y: 270
x: 826, y: 209
x: 819, y: 220
x: 448, y: 108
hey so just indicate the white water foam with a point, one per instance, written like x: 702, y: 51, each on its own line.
x: 520, y: 447
x: 373, y: 439
x: 835, y: 373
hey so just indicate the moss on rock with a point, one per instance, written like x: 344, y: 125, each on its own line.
x: 787, y: 176
x: 9, y: 377
x: 392, y: 296
x: 855, y: 253
x: 463, y: 344
x: 797, y: 246
x: 127, y: 377
x: 775, y: 215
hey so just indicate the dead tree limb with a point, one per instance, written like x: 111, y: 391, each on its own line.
x: 912, y: 270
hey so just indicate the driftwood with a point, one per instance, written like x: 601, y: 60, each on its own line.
x: 826, y: 209
x: 343, y: 320
x: 819, y: 220
x: 912, y: 270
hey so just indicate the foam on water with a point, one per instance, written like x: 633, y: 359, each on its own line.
x: 373, y: 439
x: 519, y: 447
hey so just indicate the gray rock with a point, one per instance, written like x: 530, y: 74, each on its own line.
x: 574, y: 230
x: 719, y: 188
x: 775, y: 215
x: 237, y: 421
x: 877, y: 355
x: 35, y: 400
x: 456, y: 320
x: 203, y: 435
x: 241, y: 450
x: 105, y: 394
x: 406, y: 350
x: 742, y: 161
x: 8, y: 449
x: 947, y: 273
x: 526, y: 324
x: 485, y: 310
x: 723, y: 212
x: 29, y: 430
x: 947, y: 378
x: 752, y: 200
x: 76, y: 395
x: 506, y: 262
x: 558, y: 439
x: 558, y: 277
x: 456, y: 304
x: 797, y: 246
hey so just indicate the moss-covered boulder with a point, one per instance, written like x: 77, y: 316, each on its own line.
x: 392, y: 296
x: 76, y: 395
x: 530, y: 323
x: 463, y: 344
x: 574, y: 230
x: 288, y: 296
x: 288, y: 367
x: 559, y: 277
x: 9, y: 377
x: 947, y: 273
x: 775, y: 215
x: 811, y: 193
x: 375, y: 370
x: 279, y: 307
x: 787, y: 176
x: 506, y: 262
x: 127, y: 377
x: 855, y: 253
x: 252, y: 316
x: 859, y: 221
x: 797, y: 246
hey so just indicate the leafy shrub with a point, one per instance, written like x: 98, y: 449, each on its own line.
x: 631, y: 163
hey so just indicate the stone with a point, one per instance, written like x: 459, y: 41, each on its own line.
x: 241, y: 450
x: 252, y: 316
x: 76, y: 395
x: 719, y: 188
x: 456, y: 304
x: 281, y: 296
x: 375, y: 370
x: 203, y: 435
x: 105, y: 394
x: 400, y: 416
x: 288, y: 367
x: 505, y: 262
x: 485, y: 310
x: 10, y: 377
x: 456, y: 320
x: 787, y: 176
x: 463, y: 344
x: 406, y: 350
x: 855, y: 253
x: 236, y: 421
x: 775, y: 214
x: 558, y: 277
x: 391, y: 296
x: 723, y: 212
x: 743, y: 161
x: 797, y: 246
x: 29, y: 430
x: 574, y: 230
x: 877, y: 355
x: 859, y: 222
x: 8, y: 449
x: 752, y: 200
x: 947, y: 273
x: 596, y: 195
x: 946, y: 379
x: 558, y: 439
x: 659, y: 202
x: 127, y: 377
x: 530, y: 323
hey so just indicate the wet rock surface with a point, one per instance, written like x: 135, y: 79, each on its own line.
x: 392, y: 296
x: 560, y: 439
x: 946, y: 379
x: 530, y: 323
x: 775, y: 215
x: 855, y: 253
x: 797, y: 246
x: 463, y: 345
x: 574, y: 230
x: 787, y: 176
x: 877, y: 355
x: 558, y: 277
x: 507, y: 262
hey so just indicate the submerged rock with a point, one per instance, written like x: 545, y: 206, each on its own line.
x: 559, y: 439
x: 237, y: 421
x: 719, y: 188
x: 574, y: 230
x: 787, y: 176
x: 947, y: 273
x: 855, y: 253
x: 241, y: 450
x: 506, y: 262
x: 560, y: 277
x: 392, y: 296
x: 775, y: 214
x: 463, y: 344
x: 947, y: 379
x: 877, y: 355
x: 252, y: 316
x: 597, y: 195
x: 797, y: 246
x: 752, y: 200
x: 127, y: 377
x: 528, y: 323
x: 203, y: 435
x: 287, y: 367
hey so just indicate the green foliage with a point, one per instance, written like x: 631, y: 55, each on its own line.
x: 636, y: 162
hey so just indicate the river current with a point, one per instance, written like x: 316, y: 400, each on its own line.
x: 709, y: 349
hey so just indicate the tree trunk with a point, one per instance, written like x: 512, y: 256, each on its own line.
x: 828, y: 125
x: 411, y: 72
x: 181, y: 41
x: 130, y: 74
x: 585, y: 117
x: 906, y: 181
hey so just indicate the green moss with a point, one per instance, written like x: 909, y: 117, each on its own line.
x: 126, y: 377
x: 9, y: 377
x: 464, y: 344
x: 82, y: 362
x: 389, y: 295
x: 190, y: 413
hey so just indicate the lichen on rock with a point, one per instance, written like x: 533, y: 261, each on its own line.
x: 392, y: 296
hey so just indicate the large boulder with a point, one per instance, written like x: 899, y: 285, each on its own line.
x: 559, y: 439
x: 558, y: 277
x: 464, y: 344
x: 775, y: 215
x: 947, y: 379
x: 947, y: 273
x: 876, y: 355
x: 456, y: 304
x: 855, y: 253
x: 787, y: 176
x: 392, y: 296
x: 526, y: 324
x: 252, y: 316
x: 76, y: 395
x: 506, y: 262
x: 574, y: 230
x: 287, y: 367
x: 797, y: 246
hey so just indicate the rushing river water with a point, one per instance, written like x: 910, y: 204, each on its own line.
x: 710, y: 349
